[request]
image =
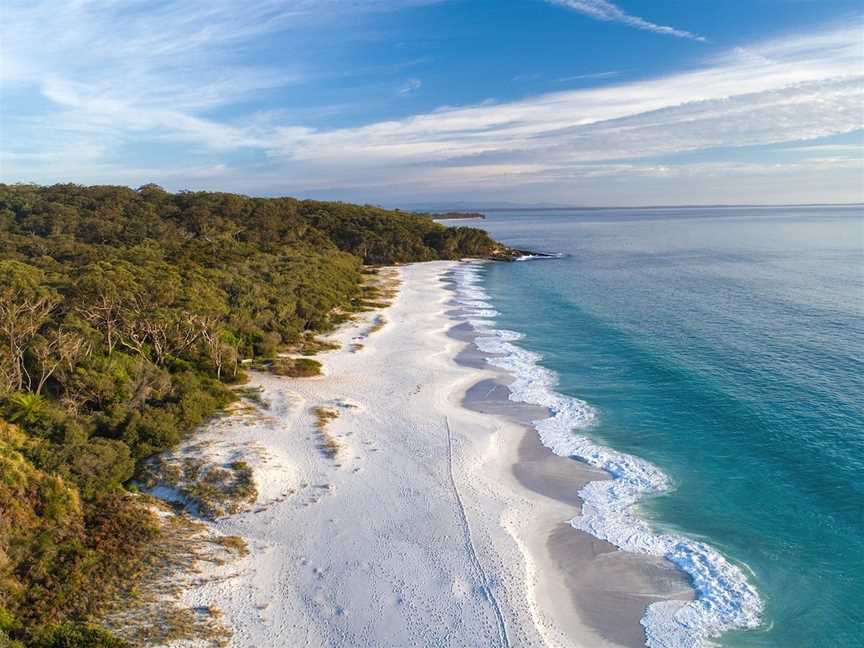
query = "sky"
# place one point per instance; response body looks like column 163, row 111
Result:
column 412, row 102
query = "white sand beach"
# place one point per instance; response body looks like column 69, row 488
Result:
column 434, row 524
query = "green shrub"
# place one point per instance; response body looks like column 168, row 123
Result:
column 295, row 367
column 97, row 466
column 43, row 418
column 63, row 558
column 76, row 636
column 152, row 431
column 7, row 642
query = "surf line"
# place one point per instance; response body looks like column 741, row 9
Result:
column 469, row 544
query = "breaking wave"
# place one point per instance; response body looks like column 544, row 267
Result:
column 725, row 599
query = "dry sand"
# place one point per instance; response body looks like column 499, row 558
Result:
column 441, row 521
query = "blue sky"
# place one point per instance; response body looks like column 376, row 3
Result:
column 409, row 101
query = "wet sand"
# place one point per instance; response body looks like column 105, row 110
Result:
column 576, row 574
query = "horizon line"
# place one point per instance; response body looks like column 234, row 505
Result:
column 685, row 206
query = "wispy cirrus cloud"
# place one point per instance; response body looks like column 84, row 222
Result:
column 411, row 86
column 608, row 12
column 589, row 77
column 110, row 70
column 855, row 151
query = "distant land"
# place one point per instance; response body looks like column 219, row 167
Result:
column 437, row 209
column 473, row 206
column 451, row 215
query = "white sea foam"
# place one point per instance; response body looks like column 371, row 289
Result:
column 539, row 257
column 474, row 303
column 725, row 599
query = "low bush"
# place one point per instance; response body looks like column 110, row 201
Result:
column 295, row 367
column 76, row 636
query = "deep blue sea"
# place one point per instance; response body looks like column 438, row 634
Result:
column 725, row 346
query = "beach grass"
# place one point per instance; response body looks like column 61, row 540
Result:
column 330, row 445
column 311, row 345
column 150, row 614
column 211, row 490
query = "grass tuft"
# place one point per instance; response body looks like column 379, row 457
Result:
column 330, row 445
column 211, row 490
column 234, row 543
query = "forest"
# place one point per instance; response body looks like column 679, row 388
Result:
column 124, row 319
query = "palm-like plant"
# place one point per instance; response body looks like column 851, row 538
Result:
column 26, row 408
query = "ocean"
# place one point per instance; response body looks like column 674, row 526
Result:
column 713, row 361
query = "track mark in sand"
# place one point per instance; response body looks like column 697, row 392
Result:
column 469, row 543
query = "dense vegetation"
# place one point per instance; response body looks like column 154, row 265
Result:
column 123, row 319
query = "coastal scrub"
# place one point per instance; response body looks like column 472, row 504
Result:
column 126, row 319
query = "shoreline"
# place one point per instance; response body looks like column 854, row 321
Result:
column 719, row 597
column 442, row 519
column 594, row 576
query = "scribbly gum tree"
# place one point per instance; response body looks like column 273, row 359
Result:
column 58, row 347
column 26, row 303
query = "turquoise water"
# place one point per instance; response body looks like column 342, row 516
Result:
column 726, row 347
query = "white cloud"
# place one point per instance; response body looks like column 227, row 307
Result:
column 411, row 86
column 851, row 150
column 608, row 12
column 594, row 75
